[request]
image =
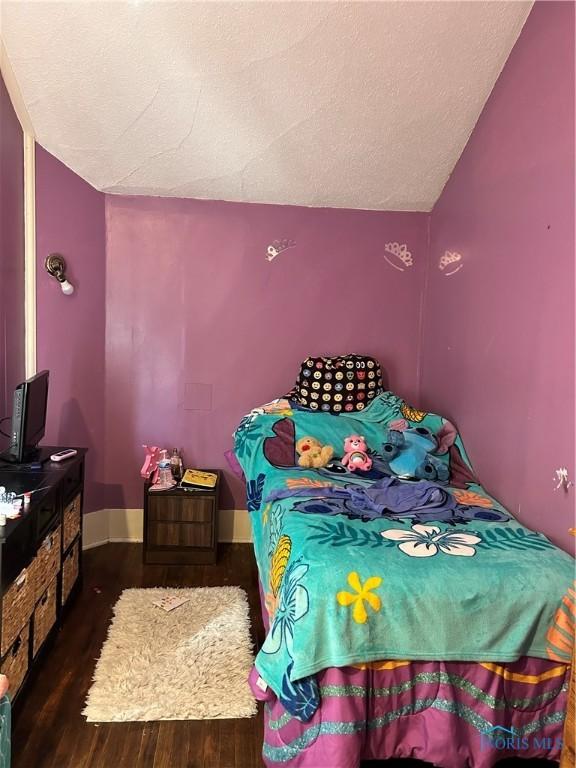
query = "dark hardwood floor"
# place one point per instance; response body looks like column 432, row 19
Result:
column 49, row 730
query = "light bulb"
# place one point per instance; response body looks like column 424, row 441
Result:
column 67, row 287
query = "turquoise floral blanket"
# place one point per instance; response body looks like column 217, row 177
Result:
column 393, row 550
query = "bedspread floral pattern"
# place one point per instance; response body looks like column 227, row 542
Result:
column 361, row 593
column 278, row 565
column 428, row 540
column 340, row 534
column 292, row 606
column 342, row 590
column 300, row 697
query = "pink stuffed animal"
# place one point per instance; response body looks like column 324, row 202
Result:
column 355, row 456
column 150, row 467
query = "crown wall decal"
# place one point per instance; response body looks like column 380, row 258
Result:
column 277, row 247
column 451, row 261
column 401, row 253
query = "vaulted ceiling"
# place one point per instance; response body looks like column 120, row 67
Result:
column 344, row 104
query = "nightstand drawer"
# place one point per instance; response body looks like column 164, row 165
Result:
column 198, row 509
column 161, row 534
column 181, row 526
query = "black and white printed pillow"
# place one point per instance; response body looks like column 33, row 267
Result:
column 337, row 384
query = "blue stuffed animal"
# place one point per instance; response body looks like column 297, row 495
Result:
column 409, row 455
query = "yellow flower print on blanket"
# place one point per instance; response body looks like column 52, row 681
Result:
column 361, row 593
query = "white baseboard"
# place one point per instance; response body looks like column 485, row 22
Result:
column 126, row 525
column 95, row 529
column 93, row 544
column 234, row 526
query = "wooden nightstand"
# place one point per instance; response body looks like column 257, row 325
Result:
column 181, row 526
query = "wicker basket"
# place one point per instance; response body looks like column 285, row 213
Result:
column 15, row 665
column 46, row 564
column 44, row 617
column 17, row 607
column 70, row 568
column 72, row 521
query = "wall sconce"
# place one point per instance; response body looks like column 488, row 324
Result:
column 56, row 266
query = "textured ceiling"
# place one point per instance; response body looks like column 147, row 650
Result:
column 358, row 105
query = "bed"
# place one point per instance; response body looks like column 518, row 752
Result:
column 407, row 613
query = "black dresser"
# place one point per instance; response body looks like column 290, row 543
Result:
column 40, row 561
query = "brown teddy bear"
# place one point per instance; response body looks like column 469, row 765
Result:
column 311, row 452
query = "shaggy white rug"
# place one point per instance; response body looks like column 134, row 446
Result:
column 191, row 663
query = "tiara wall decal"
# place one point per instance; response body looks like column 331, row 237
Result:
column 277, row 247
column 451, row 262
column 402, row 257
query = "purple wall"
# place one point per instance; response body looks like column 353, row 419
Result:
column 180, row 324
column 498, row 345
column 71, row 329
column 191, row 299
column 11, row 255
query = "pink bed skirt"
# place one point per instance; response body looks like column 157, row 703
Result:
column 452, row 714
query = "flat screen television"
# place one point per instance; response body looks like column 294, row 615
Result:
column 28, row 419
